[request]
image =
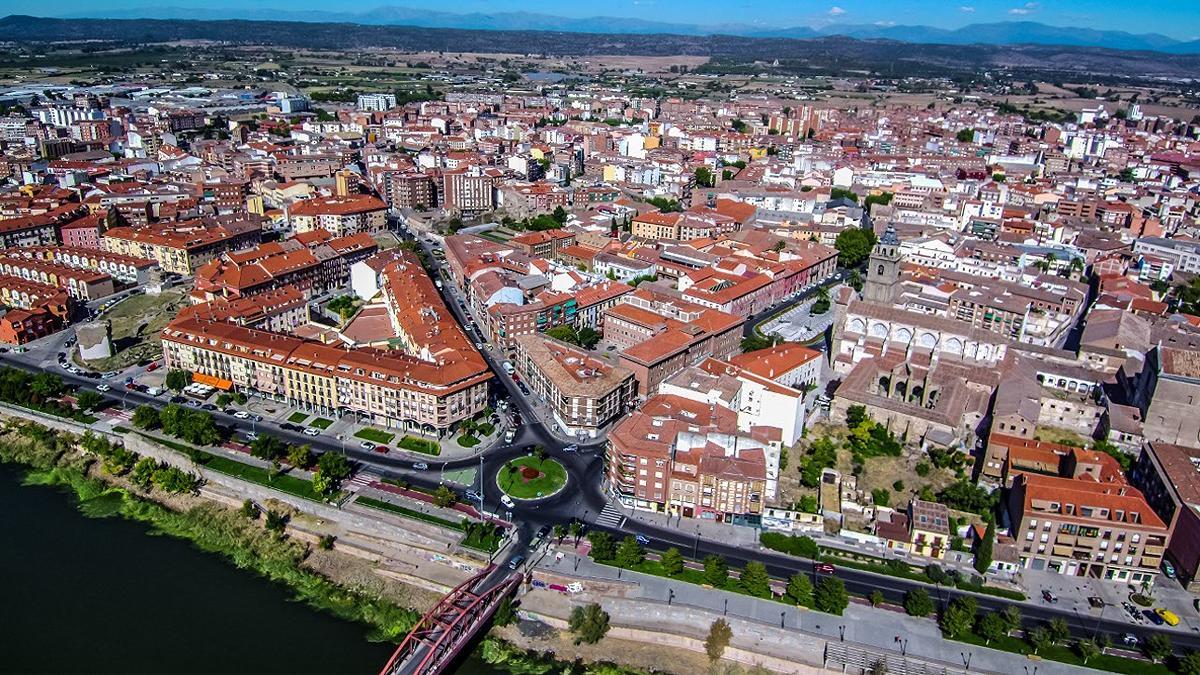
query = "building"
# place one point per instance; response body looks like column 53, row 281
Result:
column 543, row 244
column 122, row 268
column 470, row 189
column 95, row 340
column 340, row 216
column 584, row 392
column 1169, row 477
column 80, row 284
column 1086, row 522
column 928, row 528
column 182, row 247
column 376, row 102
column 883, row 270
column 312, row 263
column 1170, row 391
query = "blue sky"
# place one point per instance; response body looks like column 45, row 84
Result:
column 1176, row 18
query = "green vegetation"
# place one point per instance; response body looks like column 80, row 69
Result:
column 374, row 435
column 584, row 337
column 842, row 193
column 321, row 423
column 136, row 323
column 39, row 392
column 665, row 204
column 589, row 623
column 406, row 512
column 531, row 477
column 854, row 245
column 468, row 441
column 297, row 417
column 343, row 305
column 719, row 636
column 421, row 445
column 293, row 485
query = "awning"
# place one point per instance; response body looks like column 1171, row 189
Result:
column 211, row 381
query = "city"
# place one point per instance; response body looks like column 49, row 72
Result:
column 789, row 356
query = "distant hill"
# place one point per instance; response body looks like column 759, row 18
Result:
column 1000, row 33
column 818, row 55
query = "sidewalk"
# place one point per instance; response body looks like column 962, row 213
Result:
column 863, row 626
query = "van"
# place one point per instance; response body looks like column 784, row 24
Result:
column 154, row 391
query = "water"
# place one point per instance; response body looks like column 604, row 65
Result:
column 98, row 595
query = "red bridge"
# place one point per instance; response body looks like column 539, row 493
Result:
column 447, row 629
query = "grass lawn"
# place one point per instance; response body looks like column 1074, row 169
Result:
column 488, row 543
column 421, row 445
column 694, row 576
column 1062, row 654
column 468, row 441
column 532, row 478
column 374, row 435
column 284, row 483
column 297, row 417
column 321, row 423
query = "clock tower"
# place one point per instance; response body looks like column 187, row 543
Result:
column 883, row 270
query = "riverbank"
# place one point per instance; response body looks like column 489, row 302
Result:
column 346, row 586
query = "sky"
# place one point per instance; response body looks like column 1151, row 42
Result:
column 1176, row 18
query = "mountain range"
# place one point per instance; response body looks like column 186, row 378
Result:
column 1001, row 33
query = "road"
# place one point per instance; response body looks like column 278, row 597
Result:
column 585, row 497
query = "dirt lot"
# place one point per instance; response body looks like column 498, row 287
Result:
column 136, row 323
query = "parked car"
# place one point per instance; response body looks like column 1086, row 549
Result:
column 1168, row 569
column 1049, row 597
column 251, row 436
column 1169, row 617
column 1096, row 601
column 367, row 445
column 208, row 406
column 311, row 431
column 421, row 466
column 102, row 387
column 241, row 414
column 543, row 531
column 471, row 496
column 1154, row 617
column 571, row 449
column 643, row 540
column 152, row 367
column 288, row 426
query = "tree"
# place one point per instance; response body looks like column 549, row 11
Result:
column 249, row 510
column 325, row 543
column 560, row 532
column 881, row 496
column 983, row 552
column 276, row 521
column 442, row 496
column 506, row 612
column 800, row 589
column 45, row 386
column 88, row 400
column 300, row 456
column 576, row 529
column 719, row 636
column 145, row 417
column 589, row 623
column 992, row 627
column 716, row 571
column 876, row 599
column 755, row 579
column 705, row 177
column 1158, row 647
column 959, row 616
column 1087, row 649
column 965, row 135
column 630, row 552
column 854, row 245
column 559, row 215
column 1060, row 632
column 1012, row 617
column 143, row 472
column 178, row 379
column 1190, row 664
column 268, row 448
column 603, row 547
column 831, row 596
column 672, row 561
column 1039, row 638
column 918, row 603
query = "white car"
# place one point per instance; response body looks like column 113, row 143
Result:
column 102, row 387
column 242, row 415
column 367, row 445
column 507, row 501
column 312, row 432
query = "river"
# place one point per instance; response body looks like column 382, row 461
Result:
column 98, row 595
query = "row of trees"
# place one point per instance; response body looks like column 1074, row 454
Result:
column 43, row 391
column 194, row 426
column 144, row 472
column 331, row 468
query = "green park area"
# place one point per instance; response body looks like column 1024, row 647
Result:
column 531, row 477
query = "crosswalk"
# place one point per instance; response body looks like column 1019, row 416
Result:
column 361, row 480
column 610, row 516
column 119, row 414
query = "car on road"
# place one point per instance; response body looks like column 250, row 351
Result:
column 1168, row 617
column 420, row 466
column 507, row 501
column 571, row 449
column 242, row 415
column 1129, row 640
column 381, row 449
column 312, row 431
column 516, row 562
column 643, row 540
column 102, row 387
column 367, row 445
column 193, row 402
column 1168, row 569
column 509, row 436
column 471, row 496
column 542, row 532
column 152, row 367
column 177, row 399
column 823, row 568
column 1049, row 597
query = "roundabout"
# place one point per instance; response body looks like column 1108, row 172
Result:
column 531, row 477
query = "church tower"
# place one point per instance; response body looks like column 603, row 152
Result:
column 883, row 270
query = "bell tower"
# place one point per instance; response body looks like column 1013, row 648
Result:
column 883, row 270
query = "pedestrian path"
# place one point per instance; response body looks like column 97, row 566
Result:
column 610, row 516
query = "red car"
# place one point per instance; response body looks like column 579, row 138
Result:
column 823, row 568
column 152, row 367
column 382, row 449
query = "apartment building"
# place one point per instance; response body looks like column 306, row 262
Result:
column 1086, row 522
column 341, row 216
column 80, row 284
column 311, row 262
column 584, row 392
column 470, row 189
column 1169, row 476
column 182, row 247
column 544, row 244
column 123, row 268
column 1169, row 391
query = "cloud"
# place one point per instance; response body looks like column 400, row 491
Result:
column 885, row 24
column 966, row 9
column 836, row 11
column 1027, row 8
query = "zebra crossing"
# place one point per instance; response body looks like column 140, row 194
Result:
column 610, row 516
column 361, row 480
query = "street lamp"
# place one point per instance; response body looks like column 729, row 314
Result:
column 725, row 612
column 903, row 646
column 781, row 617
column 842, row 633
column 966, row 658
